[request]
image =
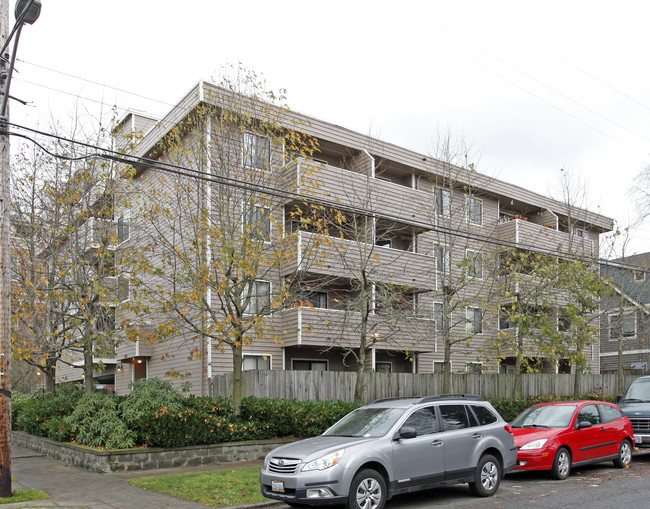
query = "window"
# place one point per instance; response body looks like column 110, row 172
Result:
column 474, row 262
column 579, row 232
column 505, row 321
column 123, row 288
column 563, row 320
column 260, row 298
column 257, row 152
column 256, row 362
column 423, row 421
column 443, row 258
column 258, row 219
column 474, row 320
column 639, row 275
column 443, row 201
column 474, row 368
column 439, row 366
column 384, row 367
column 123, row 227
column 442, row 321
column 610, row 413
column 624, row 327
column 590, row 414
column 307, row 365
column 454, row 417
column 316, row 299
column 474, row 210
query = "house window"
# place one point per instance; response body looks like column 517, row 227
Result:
column 443, row 202
column 316, row 299
column 260, row 298
column 474, row 210
column 251, row 362
column 257, row 151
column 639, row 275
column 563, row 320
column 505, row 321
column 473, row 320
column 257, row 222
column 622, row 326
column 474, row 368
column 123, row 288
column 123, row 227
column 383, row 367
column 441, row 321
column 443, row 258
column 474, row 261
column 439, row 366
column 307, row 365
column 579, row 232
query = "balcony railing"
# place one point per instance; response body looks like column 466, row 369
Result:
column 528, row 235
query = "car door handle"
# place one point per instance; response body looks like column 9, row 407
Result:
column 436, row 443
column 476, row 436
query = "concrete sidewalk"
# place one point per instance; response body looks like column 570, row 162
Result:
column 76, row 488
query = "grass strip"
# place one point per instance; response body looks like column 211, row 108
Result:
column 24, row 496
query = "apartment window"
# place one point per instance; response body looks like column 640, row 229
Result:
column 439, row 366
column 622, row 326
column 317, row 299
column 474, row 368
column 563, row 320
column 251, row 362
column 383, row 367
column 257, row 151
column 260, row 298
column 124, row 227
column 639, row 275
column 442, row 321
column 123, row 288
column 474, row 262
column 443, row 258
column 473, row 320
column 474, row 210
column 443, row 202
column 258, row 219
column 308, row 365
column 579, row 232
column 505, row 321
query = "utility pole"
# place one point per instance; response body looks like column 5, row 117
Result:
column 5, row 276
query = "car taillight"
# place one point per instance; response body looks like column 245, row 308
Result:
column 508, row 428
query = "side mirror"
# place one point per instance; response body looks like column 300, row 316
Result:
column 407, row 432
column 619, row 397
column 584, row 424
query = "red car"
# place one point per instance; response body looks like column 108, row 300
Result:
column 557, row 436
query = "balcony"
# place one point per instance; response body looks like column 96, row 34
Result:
column 528, row 235
column 333, row 327
column 335, row 257
column 349, row 189
column 95, row 233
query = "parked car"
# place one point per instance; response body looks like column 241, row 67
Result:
column 394, row 446
column 559, row 436
column 635, row 403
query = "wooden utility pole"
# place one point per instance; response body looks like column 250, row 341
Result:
column 5, row 276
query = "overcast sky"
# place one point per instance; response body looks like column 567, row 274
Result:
column 533, row 86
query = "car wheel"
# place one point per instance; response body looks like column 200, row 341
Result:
column 624, row 455
column 488, row 476
column 561, row 464
column 367, row 491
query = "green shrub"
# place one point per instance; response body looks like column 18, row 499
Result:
column 96, row 422
column 32, row 413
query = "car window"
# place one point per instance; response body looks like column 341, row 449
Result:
column 610, row 413
column 366, row 422
column 545, row 416
column 423, row 420
column 484, row 415
column 454, row 417
column 588, row 413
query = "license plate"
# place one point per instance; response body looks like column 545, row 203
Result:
column 638, row 439
column 277, row 486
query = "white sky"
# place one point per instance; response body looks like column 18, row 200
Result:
column 532, row 86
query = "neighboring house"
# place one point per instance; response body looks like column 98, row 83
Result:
column 625, row 320
column 430, row 224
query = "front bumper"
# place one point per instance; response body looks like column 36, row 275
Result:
column 535, row 459
column 321, row 487
column 641, row 438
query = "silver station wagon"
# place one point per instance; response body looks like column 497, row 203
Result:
column 394, row 446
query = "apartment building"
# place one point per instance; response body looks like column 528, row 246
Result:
column 384, row 250
column 625, row 321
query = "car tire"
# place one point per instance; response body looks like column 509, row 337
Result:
column 561, row 464
column 488, row 477
column 624, row 454
column 367, row 491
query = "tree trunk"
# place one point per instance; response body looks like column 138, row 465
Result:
column 50, row 378
column 89, row 382
column 237, row 361
column 446, row 332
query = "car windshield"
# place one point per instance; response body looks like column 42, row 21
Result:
column 638, row 392
column 366, row 422
column 552, row 416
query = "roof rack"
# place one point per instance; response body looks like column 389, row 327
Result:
column 437, row 397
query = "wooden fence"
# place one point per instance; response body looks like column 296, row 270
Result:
column 339, row 385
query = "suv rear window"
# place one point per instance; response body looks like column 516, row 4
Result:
column 484, row 415
column 454, row 417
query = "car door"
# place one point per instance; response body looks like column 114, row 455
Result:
column 420, row 460
column 461, row 437
column 614, row 424
column 592, row 442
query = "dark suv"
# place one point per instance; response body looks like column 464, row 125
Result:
column 636, row 405
column 394, row 446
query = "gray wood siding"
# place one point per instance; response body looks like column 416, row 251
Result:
column 527, row 235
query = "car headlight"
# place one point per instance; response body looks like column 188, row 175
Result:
column 325, row 462
column 535, row 444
